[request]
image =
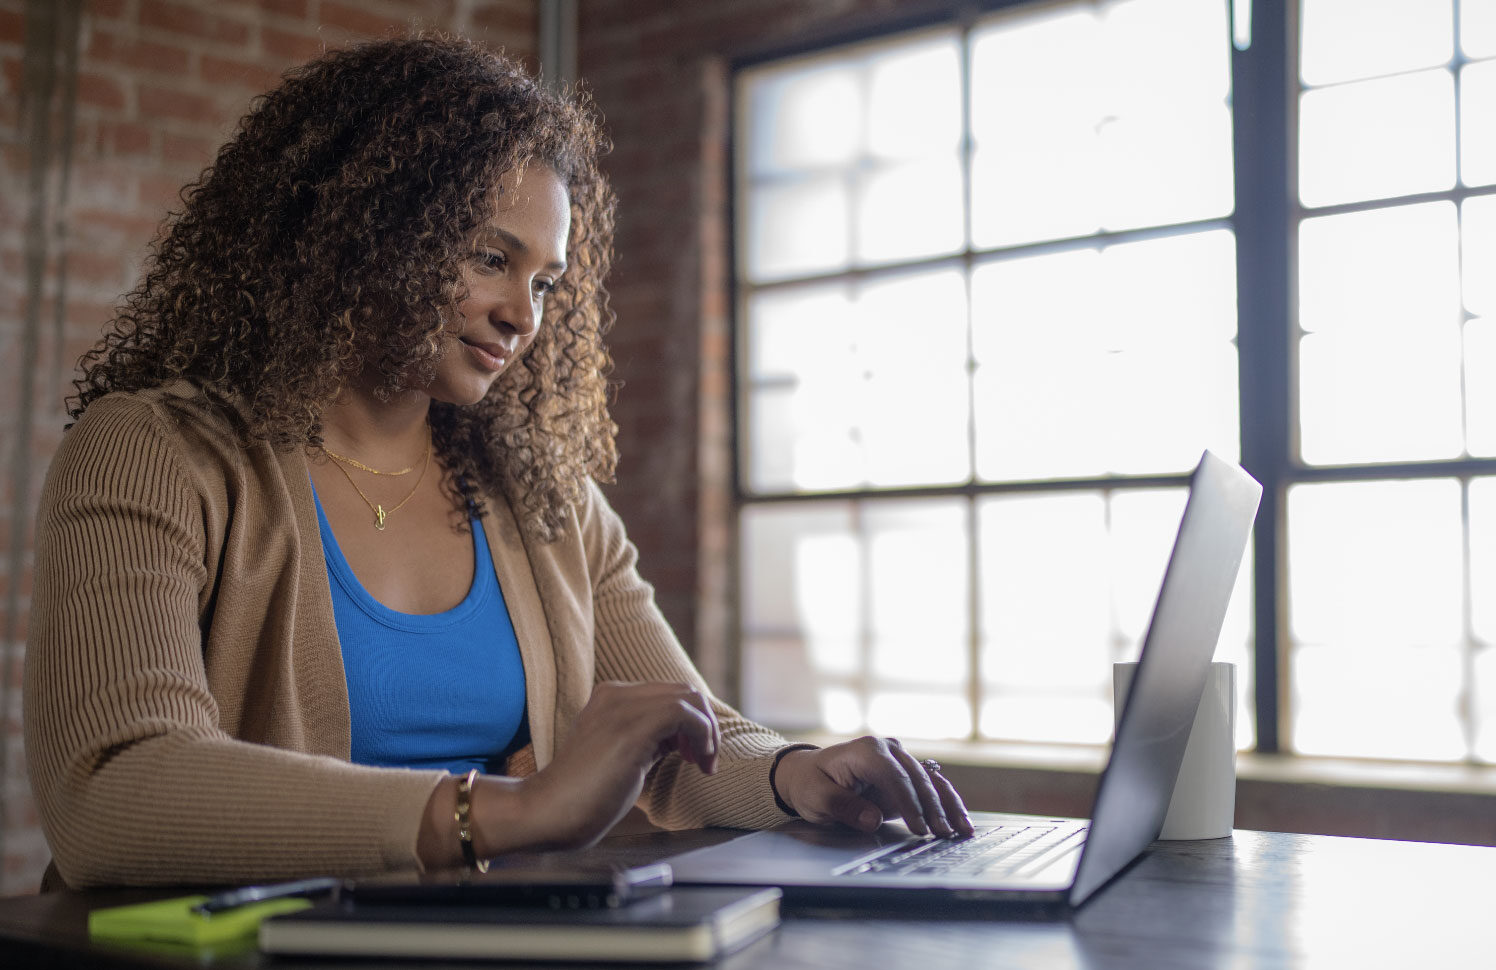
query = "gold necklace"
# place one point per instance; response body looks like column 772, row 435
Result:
column 365, row 468
column 380, row 514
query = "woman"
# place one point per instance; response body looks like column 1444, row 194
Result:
column 324, row 583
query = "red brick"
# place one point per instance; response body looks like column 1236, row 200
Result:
column 79, row 309
column 187, row 149
column 518, row 23
column 290, row 47
column 285, row 8
column 242, row 73
column 124, row 138
column 100, row 91
column 162, row 102
column 11, row 26
column 88, row 264
column 357, row 20
column 11, row 68
column 125, row 225
column 181, row 19
column 161, row 193
column 109, row 48
column 107, row 9
column 99, row 183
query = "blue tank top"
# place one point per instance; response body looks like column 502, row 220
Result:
column 440, row 690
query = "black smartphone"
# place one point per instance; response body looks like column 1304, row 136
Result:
column 529, row 880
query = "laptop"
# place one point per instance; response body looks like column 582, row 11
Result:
column 1026, row 859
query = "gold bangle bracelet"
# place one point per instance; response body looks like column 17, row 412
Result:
column 464, row 817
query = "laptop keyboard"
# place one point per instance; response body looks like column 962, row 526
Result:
column 993, row 850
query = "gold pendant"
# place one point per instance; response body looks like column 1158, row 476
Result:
column 379, row 517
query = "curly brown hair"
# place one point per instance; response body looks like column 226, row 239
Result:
column 328, row 236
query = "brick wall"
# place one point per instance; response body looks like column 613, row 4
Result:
column 106, row 109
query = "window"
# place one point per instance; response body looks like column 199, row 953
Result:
column 1001, row 282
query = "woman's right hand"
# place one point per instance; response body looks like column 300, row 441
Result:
column 592, row 781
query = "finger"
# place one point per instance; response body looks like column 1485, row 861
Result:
column 929, row 807
column 689, row 728
column 714, row 731
column 705, row 743
column 950, row 799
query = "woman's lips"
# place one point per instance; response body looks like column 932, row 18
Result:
column 492, row 357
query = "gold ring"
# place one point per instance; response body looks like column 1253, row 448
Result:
column 931, row 765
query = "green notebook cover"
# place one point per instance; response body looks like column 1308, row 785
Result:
column 174, row 921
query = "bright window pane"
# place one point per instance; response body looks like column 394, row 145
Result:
column 906, row 714
column 1480, row 388
column 1383, row 269
column 912, row 405
column 798, row 228
column 1377, row 139
column 1035, row 167
column 1172, row 166
column 835, row 378
column 1485, row 704
column 1478, row 28
column 1131, row 130
column 1034, row 187
column 1375, row 564
column 914, row 100
column 802, row 118
column 1144, row 524
column 769, row 454
column 1379, row 372
column 1153, row 46
column 801, row 599
column 1380, row 397
column 1375, row 584
column 799, row 330
column 1377, row 702
column 1045, row 592
column 910, row 211
column 1478, row 253
column 1344, row 40
column 1483, row 559
column 917, row 591
column 1477, row 134
column 1083, row 359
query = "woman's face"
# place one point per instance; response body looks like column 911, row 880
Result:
column 517, row 257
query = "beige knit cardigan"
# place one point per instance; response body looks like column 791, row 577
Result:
column 186, row 713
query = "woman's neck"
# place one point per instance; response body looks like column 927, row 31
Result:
column 378, row 433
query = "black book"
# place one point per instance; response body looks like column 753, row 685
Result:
column 682, row 924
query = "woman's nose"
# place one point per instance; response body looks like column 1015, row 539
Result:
column 519, row 312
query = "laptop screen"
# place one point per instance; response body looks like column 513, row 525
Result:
column 1133, row 795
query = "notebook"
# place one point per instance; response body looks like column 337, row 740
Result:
column 1021, row 859
column 675, row 925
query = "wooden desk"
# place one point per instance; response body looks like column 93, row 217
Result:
column 1259, row 899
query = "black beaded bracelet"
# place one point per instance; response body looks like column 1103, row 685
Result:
column 779, row 756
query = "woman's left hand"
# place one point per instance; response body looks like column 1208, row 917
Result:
column 860, row 783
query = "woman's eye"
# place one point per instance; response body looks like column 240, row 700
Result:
column 491, row 260
column 544, row 287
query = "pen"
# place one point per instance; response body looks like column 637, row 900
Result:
column 253, row 894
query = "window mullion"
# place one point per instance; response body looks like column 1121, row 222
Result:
column 1262, row 112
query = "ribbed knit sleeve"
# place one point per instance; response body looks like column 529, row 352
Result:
column 136, row 779
column 633, row 643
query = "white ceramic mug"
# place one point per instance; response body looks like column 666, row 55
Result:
column 1204, row 801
